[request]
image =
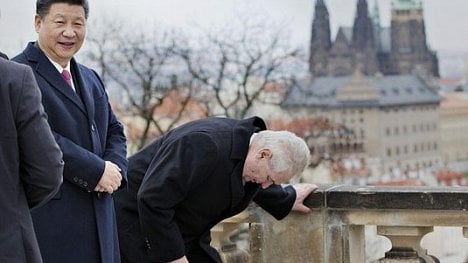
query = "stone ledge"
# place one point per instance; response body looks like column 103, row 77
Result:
column 384, row 197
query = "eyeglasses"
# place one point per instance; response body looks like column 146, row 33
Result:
column 269, row 179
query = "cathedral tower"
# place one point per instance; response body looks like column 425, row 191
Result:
column 320, row 40
column 398, row 49
column 408, row 38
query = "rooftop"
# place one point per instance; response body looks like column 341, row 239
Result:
column 392, row 90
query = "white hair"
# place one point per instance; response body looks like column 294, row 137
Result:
column 290, row 153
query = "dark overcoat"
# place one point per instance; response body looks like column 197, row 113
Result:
column 183, row 184
column 78, row 224
column 30, row 162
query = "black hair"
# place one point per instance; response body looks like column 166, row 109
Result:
column 43, row 6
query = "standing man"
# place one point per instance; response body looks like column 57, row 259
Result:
column 78, row 224
column 30, row 162
column 198, row 174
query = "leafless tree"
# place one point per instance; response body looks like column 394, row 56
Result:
column 234, row 67
column 143, row 68
column 218, row 74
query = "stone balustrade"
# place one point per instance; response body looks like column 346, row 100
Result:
column 335, row 229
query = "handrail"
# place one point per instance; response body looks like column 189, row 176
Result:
column 335, row 229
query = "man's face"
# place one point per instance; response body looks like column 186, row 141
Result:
column 257, row 169
column 61, row 31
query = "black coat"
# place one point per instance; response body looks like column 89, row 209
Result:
column 187, row 182
column 30, row 162
column 78, row 225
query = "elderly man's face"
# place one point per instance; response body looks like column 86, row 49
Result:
column 257, row 169
column 61, row 31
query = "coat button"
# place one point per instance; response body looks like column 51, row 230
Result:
column 92, row 127
column 148, row 246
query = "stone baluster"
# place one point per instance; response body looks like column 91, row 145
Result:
column 220, row 238
column 406, row 244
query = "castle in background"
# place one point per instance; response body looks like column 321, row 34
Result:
column 379, row 84
column 399, row 49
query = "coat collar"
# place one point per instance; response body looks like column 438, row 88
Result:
column 242, row 192
column 41, row 64
column 241, row 134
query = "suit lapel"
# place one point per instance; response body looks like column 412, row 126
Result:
column 84, row 82
column 44, row 68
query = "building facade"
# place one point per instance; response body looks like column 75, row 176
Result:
column 395, row 118
column 454, row 127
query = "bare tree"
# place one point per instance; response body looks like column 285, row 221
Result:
column 144, row 69
column 163, row 78
column 235, row 67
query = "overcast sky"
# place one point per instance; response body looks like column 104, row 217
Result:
column 446, row 21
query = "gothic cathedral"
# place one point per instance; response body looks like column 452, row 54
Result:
column 400, row 49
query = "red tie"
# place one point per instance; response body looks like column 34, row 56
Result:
column 67, row 77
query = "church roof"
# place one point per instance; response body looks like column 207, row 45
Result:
column 380, row 91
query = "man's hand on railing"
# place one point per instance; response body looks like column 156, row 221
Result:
column 303, row 190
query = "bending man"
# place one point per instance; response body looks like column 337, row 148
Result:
column 198, row 174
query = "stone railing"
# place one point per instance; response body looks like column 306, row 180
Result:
column 335, row 229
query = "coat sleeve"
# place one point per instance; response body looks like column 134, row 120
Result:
column 40, row 156
column 116, row 142
column 176, row 169
column 113, row 148
column 78, row 158
column 276, row 200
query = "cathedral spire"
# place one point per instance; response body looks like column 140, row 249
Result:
column 363, row 32
column 320, row 42
column 321, row 26
column 363, row 42
column 376, row 25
